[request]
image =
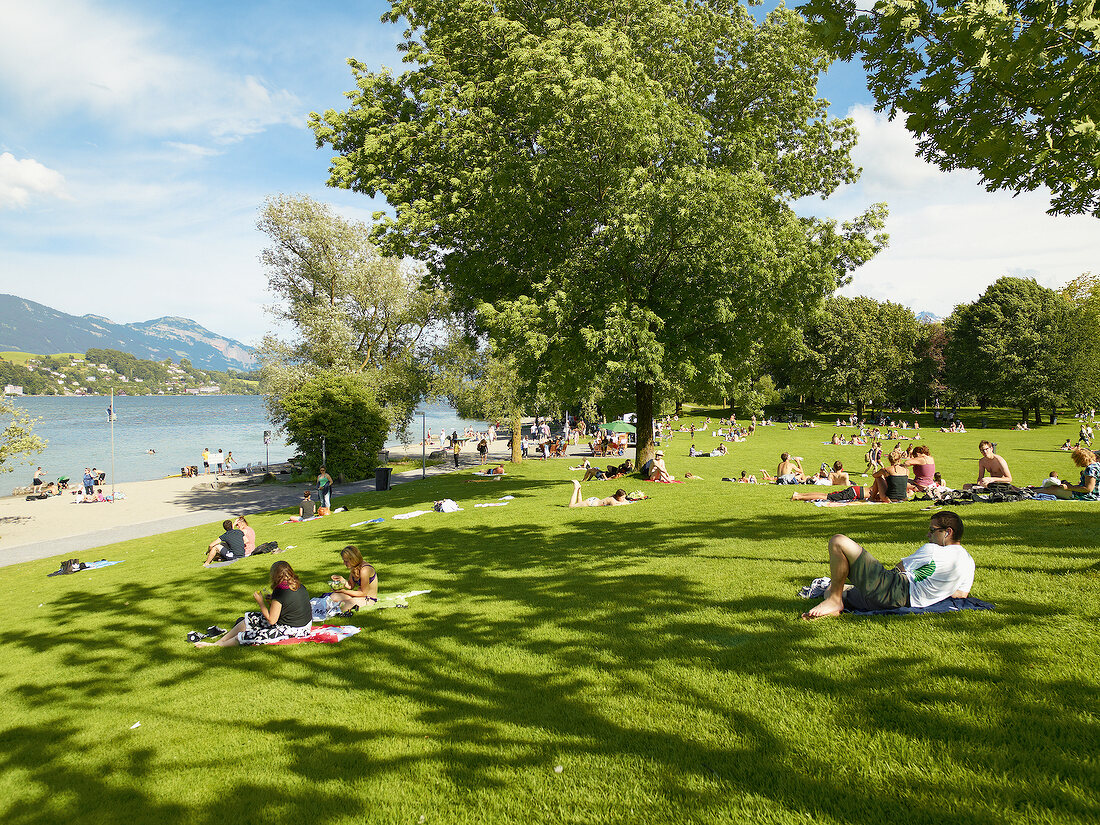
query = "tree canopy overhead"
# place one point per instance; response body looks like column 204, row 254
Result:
column 605, row 187
column 1010, row 88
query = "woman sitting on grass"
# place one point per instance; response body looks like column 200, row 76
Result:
column 924, row 467
column 891, row 484
column 360, row 588
column 288, row 616
column 1087, row 489
column 610, row 501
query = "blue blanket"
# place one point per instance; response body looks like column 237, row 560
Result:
column 948, row 605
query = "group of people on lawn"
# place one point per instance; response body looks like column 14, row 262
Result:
column 940, row 569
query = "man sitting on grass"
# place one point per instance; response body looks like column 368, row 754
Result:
column 229, row 546
column 940, row 569
column 991, row 467
column 789, row 470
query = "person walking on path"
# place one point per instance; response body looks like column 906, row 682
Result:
column 324, row 489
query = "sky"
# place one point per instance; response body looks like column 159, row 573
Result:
column 138, row 141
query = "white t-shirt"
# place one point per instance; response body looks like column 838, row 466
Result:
column 936, row 572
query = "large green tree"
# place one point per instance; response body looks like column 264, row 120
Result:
column 1082, row 345
column 1010, row 346
column 1010, row 88
column 606, row 186
column 862, row 350
column 17, row 437
column 353, row 310
column 335, row 419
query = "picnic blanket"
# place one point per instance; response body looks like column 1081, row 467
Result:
column 95, row 565
column 372, row 521
column 323, row 608
column 325, row 634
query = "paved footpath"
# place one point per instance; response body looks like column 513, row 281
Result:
column 232, row 499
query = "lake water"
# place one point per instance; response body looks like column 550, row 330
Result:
column 177, row 427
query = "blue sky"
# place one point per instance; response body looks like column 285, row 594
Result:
column 138, row 140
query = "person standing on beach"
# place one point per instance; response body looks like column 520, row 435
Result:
column 457, row 445
column 37, row 482
column 205, row 460
column 89, row 482
column 221, row 461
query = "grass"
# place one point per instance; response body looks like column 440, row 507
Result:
column 21, row 358
column 654, row 652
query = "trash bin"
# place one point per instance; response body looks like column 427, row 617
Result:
column 382, row 478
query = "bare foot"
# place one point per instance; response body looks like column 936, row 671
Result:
column 830, row 606
column 576, row 484
column 206, row 644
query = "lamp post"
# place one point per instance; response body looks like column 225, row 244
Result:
column 423, row 443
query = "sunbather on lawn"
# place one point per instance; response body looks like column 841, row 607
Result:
column 610, row 501
column 891, row 484
column 942, row 568
column 1087, row 489
column 288, row 616
column 360, row 588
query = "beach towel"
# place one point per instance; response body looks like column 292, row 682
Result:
column 80, row 567
column 413, row 514
column 948, row 605
column 658, row 481
column 296, row 520
column 372, row 521
column 324, row 608
column 824, row 503
column 492, row 504
column 324, row 634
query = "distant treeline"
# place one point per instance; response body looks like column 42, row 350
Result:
column 61, row 374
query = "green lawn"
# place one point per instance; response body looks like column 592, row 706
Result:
column 654, row 652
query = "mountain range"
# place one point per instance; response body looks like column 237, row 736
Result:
column 26, row 326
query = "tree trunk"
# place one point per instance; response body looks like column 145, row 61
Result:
column 1038, row 415
column 1023, row 414
column 643, row 395
column 859, row 408
column 517, row 434
column 679, row 404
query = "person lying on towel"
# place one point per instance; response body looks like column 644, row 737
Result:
column 940, row 569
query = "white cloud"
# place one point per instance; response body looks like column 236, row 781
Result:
column 950, row 238
column 20, row 179
column 192, row 150
column 62, row 56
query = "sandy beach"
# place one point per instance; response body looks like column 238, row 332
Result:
column 39, row 529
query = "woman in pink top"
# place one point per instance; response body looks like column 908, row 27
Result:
column 924, row 468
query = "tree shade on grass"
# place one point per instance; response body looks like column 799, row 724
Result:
column 652, row 651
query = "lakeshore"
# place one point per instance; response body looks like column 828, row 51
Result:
column 31, row 530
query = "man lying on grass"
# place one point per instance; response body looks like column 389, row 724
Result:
column 940, row 569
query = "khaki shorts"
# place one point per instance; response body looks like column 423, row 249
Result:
column 875, row 587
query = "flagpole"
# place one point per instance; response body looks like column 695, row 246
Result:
column 112, row 445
